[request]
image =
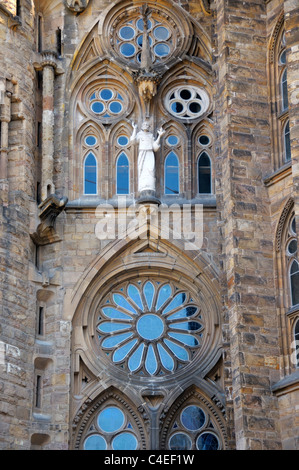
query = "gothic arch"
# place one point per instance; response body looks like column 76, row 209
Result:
column 85, row 415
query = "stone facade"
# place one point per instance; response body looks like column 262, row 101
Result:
column 57, row 266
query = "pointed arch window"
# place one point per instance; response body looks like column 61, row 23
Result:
column 204, row 174
column 294, row 282
column 90, row 174
column 284, row 90
column 287, row 141
column 172, row 174
column 296, row 338
column 122, row 174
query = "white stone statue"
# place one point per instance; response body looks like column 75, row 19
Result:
column 146, row 158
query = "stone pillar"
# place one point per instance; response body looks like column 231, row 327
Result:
column 49, row 66
column 242, row 160
column 291, row 9
column 5, row 118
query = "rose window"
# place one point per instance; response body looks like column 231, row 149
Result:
column 150, row 327
column 128, row 39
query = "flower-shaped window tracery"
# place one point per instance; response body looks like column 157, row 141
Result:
column 149, row 326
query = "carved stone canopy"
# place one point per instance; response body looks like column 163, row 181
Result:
column 77, row 6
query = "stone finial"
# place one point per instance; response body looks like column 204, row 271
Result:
column 49, row 210
column 77, row 6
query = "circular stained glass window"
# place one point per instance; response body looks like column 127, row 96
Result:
column 180, row 441
column 187, row 102
column 107, row 103
column 172, row 140
column 91, row 140
column 207, row 441
column 151, row 327
column 122, row 140
column 204, row 140
column 128, row 39
column 112, row 428
column 193, row 418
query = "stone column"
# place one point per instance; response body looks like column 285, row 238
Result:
column 5, row 118
column 242, row 160
column 291, row 9
column 49, row 66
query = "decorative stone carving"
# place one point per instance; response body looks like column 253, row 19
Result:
column 50, row 209
column 77, row 6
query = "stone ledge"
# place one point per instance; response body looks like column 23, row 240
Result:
column 279, row 174
column 287, row 384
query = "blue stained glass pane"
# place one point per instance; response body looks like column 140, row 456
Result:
column 161, row 33
column 136, row 358
column 173, row 140
column 90, row 140
column 177, row 350
column 119, row 97
column 184, row 313
column 189, row 340
column 193, row 418
column 127, row 32
column 166, row 359
column 125, row 441
column 123, row 351
column 95, row 442
column 164, row 294
column 93, row 97
column 149, row 291
column 115, row 340
column 172, row 183
column 207, row 441
column 110, row 327
column 122, row 177
column 121, row 301
column 111, row 419
column 162, row 50
column 97, row 107
column 187, row 326
column 135, row 296
column 127, row 49
column 150, row 327
column 90, row 174
column 151, row 361
column 115, row 314
column 123, row 140
column 115, row 107
column 180, row 441
column 178, row 300
column 106, row 94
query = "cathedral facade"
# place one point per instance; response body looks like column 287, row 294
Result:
column 149, row 269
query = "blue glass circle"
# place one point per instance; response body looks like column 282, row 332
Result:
column 177, row 107
column 204, row 140
column 127, row 33
column 125, row 441
column 150, row 327
column 172, row 140
column 140, row 24
column 111, row 419
column 180, row 441
column 106, row 94
column 123, row 140
column 90, row 140
column 162, row 50
column 193, row 418
column 95, row 442
column 127, row 49
column 97, row 107
column 207, row 441
column 115, row 107
column 161, row 33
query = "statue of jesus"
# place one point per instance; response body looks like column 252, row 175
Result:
column 146, row 158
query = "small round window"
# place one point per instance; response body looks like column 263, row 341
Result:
column 187, row 102
column 107, row 103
